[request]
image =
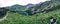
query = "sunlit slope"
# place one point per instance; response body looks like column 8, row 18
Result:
column 40, row 18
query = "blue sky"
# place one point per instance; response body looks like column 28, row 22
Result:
column 4, row 3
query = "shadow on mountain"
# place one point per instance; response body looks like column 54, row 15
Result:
column 3, row 12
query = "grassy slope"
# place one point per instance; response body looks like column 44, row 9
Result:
column 40, row 18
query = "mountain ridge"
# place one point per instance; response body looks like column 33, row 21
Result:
column 34, row 8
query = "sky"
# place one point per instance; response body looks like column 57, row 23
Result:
column 4, row 3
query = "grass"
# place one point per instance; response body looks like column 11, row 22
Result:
column 39, row 18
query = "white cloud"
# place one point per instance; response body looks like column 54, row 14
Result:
column 4, row 3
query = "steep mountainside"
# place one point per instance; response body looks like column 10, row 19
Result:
column 37, row 14
column 32, row 9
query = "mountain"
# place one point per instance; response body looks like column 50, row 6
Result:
column 38, row 14
column 29, row 5
column 16, row 7
column 43, row 7
column 31, row 9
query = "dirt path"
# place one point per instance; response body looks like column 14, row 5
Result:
column 4, row 17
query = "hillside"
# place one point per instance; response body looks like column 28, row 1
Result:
column 37, row 14
column 40, row 18
column 31, row 9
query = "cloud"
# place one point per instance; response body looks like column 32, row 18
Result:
column 4, row 3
